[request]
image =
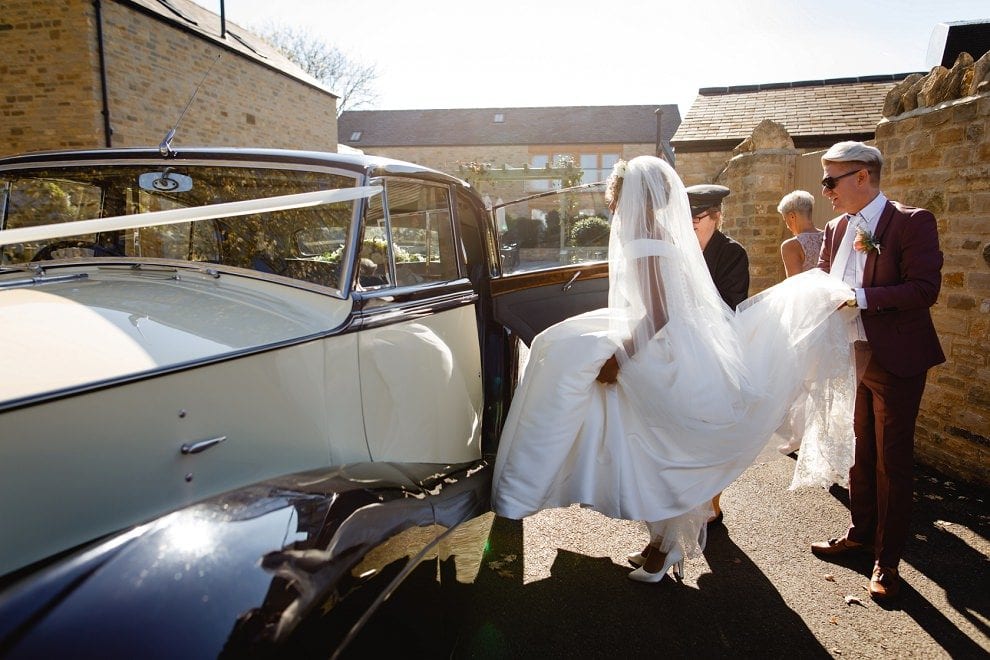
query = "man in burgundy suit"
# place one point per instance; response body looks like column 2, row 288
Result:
column 889, row 255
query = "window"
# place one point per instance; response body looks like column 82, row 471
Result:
column 555, row 230
column 356, row 136
column 499, row 118
column 422, row 235
column 304, row 243
column 538, row 162
column 414, row 243
column 595, row 166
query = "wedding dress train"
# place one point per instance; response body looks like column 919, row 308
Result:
column 696, row 399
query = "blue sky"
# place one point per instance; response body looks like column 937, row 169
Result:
column 463, row 54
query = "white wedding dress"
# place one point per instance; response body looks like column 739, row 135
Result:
column 700, row 391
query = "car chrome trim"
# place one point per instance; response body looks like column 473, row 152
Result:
column 407, row 303
column 571, row 281
column 200, row 445
column 42, row 279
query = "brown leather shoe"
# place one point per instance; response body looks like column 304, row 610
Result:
column 833, row 547
column 885, row 584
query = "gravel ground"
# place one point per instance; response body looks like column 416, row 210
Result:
column 554, row 584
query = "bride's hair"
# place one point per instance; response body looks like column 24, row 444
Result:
column 613, row 185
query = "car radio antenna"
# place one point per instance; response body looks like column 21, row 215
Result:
column 165, row 148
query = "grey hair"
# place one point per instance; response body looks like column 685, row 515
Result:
column 799, row 201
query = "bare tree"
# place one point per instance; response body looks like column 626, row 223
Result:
column 351, row 80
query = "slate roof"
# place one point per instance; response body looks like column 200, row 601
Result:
column 815, row 112
column 565, row 125
column 191, row 17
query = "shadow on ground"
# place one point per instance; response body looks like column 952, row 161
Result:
column 949, row 522
column 588, row 608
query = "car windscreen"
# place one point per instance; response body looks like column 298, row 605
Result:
column 302, row 243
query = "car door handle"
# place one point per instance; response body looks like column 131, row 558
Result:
column 571, row 281
column 201, row 445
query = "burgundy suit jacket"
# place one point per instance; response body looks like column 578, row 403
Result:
column 901, row 283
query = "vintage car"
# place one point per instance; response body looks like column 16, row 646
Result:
column 247, row 395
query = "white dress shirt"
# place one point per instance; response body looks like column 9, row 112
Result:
column 854, row 264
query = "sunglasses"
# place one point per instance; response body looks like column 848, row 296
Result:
column 700, row 216
column 831, row 182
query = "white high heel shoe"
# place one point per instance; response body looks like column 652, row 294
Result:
column 675, row 559
column 636, row 558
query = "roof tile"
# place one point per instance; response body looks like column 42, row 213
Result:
column 805, row 109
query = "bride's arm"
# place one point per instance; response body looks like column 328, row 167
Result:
column 654, row 304
column 653, row 319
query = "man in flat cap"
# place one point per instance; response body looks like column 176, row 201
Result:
column 726, row 259
column 889, row 255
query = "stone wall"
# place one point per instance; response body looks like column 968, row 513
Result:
column 51, row 82
column 153, row 71
column 939, row 158
column 49, row 64
column 696, row 167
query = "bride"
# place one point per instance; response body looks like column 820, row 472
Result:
column 648, row 408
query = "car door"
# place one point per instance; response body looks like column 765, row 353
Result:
column 553, row 251
column 420, row 360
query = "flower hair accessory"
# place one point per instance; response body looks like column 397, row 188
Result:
column 865, row 241
column 619, row 169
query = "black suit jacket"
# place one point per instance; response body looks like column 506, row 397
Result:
column 728, row 264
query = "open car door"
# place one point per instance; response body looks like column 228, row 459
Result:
column 554, row 258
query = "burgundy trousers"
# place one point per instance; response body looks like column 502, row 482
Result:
column 881, row 480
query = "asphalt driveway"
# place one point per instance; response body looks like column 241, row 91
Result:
column 554, row 585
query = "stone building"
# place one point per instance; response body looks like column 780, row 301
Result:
column 98, row 73
column 533, row 139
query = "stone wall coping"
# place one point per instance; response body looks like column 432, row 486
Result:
column 917, row 112
column 780, row 151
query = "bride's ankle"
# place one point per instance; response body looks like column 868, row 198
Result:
column 655, row 559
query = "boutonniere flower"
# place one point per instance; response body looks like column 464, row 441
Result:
column 865, row 242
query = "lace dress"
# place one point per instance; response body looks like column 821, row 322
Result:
column 811, row 243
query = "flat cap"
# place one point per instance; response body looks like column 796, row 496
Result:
column 843, row 152
column 704, row 196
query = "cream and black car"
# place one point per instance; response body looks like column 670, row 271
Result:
column 247, row 395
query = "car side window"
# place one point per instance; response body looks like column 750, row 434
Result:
column 423, row 245
column 568, row 227
column 374, row 260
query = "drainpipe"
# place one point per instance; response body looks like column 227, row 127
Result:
column 107, row 130
column 223, row 21
column 659, row 149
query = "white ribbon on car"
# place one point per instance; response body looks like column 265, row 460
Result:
column 190, row 214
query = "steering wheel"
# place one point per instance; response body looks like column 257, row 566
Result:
column 97, row 249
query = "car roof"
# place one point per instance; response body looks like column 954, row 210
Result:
column 370, row 165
